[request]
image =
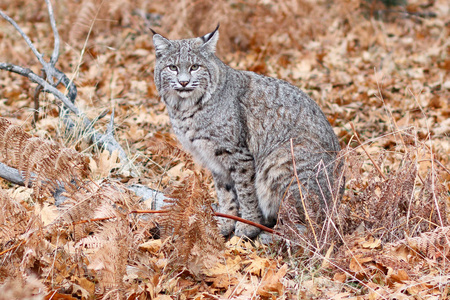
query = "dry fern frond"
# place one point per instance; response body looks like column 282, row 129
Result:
column 12, row 142
column 13, row 218
column 425, row 208
column 434, row 245
column 190, row 221
column 4, row 125
column 46, row 164
column 111, row 240
column 390, row 207
column 92, row 201
column 83, row 22
column 111, row 258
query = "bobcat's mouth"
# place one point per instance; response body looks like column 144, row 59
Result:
column 184, row 89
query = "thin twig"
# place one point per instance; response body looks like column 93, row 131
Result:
column 217, row 214
column 12, row 248
column 301, row 195
column 37, row 92
column 367, row 153
column 148, row 211
column 432, row 159
column 262, row 227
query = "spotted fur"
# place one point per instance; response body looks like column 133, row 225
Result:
column 239, row 124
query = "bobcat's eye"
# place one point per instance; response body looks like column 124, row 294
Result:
column 194, row 67
column 173, row 67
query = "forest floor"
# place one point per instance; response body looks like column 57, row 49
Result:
column 381, row 76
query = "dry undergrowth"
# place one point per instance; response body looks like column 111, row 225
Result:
column 387, row 239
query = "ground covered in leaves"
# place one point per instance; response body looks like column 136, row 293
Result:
column 379, row 72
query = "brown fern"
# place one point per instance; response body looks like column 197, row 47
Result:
column 13, row 217
column 110, row 240
column 166, row 151
column 82, row 23
column 434, row 245
column 96, row 201
column 110, row 259
column 190, row 222
column 45, row 164
column 12, row 143
column 391, row 207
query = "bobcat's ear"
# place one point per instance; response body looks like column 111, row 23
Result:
column 210, row 40
column 161, row 44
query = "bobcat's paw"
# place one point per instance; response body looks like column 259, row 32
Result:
column 249, row 231
column 226, row 226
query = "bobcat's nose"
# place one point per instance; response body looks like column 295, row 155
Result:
column 183, row 83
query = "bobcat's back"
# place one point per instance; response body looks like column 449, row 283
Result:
column 240, row 126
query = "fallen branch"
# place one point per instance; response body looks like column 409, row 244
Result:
column 12, row 248
column 53, row 77
column 15, row 176
column 12, row 175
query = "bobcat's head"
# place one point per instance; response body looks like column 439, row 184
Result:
column 185, row 70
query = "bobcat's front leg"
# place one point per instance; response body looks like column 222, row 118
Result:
column 243, row 175
column 227, row 203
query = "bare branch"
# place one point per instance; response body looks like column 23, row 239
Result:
column 49, row 68
column 236, row 218
column 55, row 54
column 39, row 80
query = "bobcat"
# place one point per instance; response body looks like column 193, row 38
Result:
column 239, row 125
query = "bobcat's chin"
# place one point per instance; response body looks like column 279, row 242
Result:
column 185, row 93
column 190, row 95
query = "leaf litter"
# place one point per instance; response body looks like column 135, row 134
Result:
column 385, row 69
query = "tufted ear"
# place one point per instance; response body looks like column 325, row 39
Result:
column 161, row 43
column 210, row 40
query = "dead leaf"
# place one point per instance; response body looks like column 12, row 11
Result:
column 233, row 264
column 257, row 265
column 357, row 263
column 340, row 277
column 152, row 246
column 104, row 164
column 372, row 243
column 270, row 284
